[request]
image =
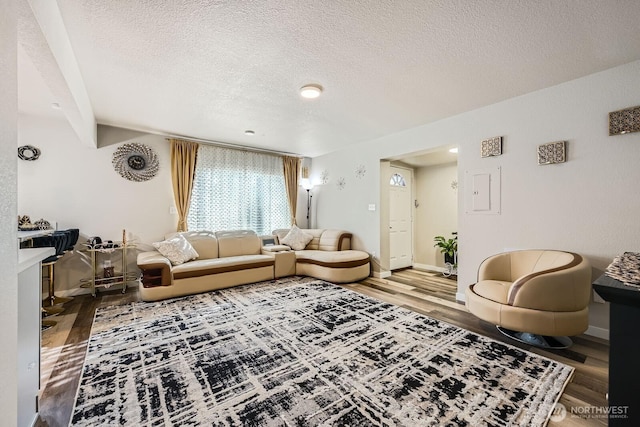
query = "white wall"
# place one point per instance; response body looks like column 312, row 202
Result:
column 587, row 205
column 437, row 213
column 347, row 207
column 8, row 222
column 77, row 186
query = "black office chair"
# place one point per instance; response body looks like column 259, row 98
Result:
column 58, row 241
column 61, row 241
column 74, row 234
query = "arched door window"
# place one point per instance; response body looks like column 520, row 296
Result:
column 397, row 180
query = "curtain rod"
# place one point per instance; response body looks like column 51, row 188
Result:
column 234, row 146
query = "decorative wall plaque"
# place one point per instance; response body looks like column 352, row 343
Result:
column 624, row 121
column 552, row 152
column 491, row 147
column 28, row 152
column 341, row 183
column 324, row 176
column 135, row 162
column 361, row 170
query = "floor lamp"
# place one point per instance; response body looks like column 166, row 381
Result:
column 307, row 185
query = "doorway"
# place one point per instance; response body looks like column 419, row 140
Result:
column 430, row 197
column 400, row 218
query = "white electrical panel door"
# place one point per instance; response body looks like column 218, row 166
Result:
column 482, row 191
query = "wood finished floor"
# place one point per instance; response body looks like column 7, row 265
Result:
column 424, row 292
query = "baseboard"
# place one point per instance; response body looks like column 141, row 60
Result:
column 427, row 267
column 460, row 296
column 381, row 274
column 597, row 332
column 79, row 291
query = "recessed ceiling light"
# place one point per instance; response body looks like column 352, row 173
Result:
column 310, row 91
column 249, row 132
column 55, row 105
column 453, row 150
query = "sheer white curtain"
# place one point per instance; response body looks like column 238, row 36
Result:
column 236, row 189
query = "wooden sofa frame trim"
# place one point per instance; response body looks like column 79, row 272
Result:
column 343, row 237
column 344, row 264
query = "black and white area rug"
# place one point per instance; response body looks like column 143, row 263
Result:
column 303, row 352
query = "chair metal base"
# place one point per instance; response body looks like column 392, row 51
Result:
column 47, row 324
column 540, row 341
column 51, row 311
column 47, row 302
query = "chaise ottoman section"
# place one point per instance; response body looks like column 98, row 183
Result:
column 333, row 266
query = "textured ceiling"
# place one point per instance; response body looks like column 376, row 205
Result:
column 212, row 69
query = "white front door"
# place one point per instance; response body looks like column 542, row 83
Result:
column 400, row 228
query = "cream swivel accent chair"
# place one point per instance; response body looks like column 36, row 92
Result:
column 534, row 296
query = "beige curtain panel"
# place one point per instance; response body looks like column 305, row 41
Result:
column 183, row 166
column 291, row 174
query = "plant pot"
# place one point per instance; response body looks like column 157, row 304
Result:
column 449, row 259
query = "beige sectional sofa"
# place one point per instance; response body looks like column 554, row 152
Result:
column 234, row 258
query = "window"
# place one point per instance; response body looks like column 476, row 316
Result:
column 238, row 190
column 397, row 180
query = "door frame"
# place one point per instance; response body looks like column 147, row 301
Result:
column 385, row 251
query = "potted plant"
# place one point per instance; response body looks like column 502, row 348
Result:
column 449, row 247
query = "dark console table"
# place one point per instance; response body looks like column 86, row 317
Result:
column 624, row 350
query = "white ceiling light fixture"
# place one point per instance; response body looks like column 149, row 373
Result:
column 55, row 106
column 249, row 132
column 310, row 91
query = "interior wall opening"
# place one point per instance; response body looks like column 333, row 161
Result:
column 432, row 179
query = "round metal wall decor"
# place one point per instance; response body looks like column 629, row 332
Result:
column 135, row 162
column 28, row 152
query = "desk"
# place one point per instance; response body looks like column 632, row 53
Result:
column 624, row 349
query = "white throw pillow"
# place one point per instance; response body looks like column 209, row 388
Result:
column 177, row 249
column 296, row 239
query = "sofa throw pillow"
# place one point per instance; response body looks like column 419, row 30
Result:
column 296, row 239
column 177, row 249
